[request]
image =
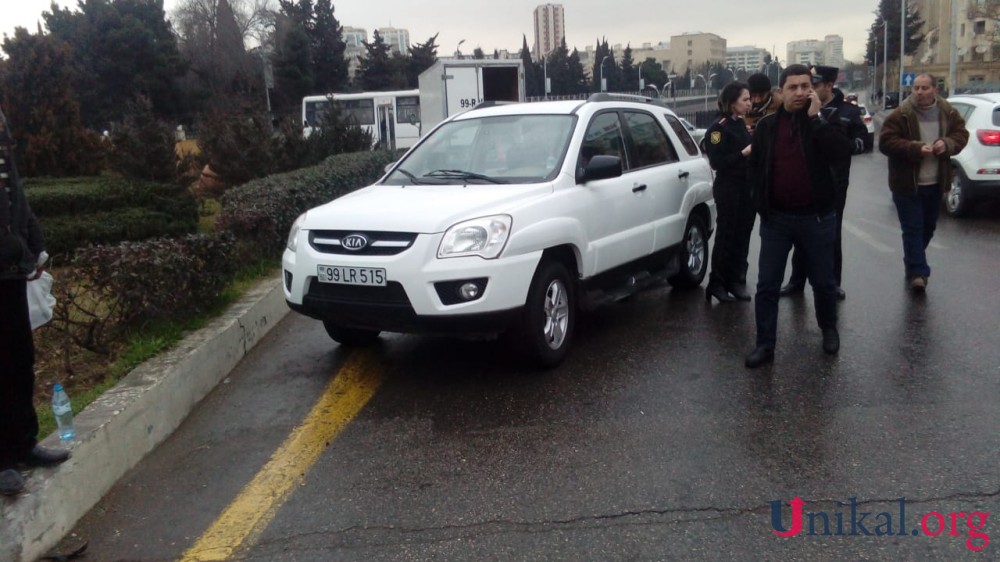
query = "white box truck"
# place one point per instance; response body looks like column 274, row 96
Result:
column 451, row 86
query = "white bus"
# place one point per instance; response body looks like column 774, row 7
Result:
column 392, row 118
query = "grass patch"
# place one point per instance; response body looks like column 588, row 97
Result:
column 154, row 339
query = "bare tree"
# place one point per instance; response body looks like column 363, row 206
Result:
column 196, row 21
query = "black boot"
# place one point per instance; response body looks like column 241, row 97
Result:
column 715, row 289
column 831, row 340
column 792, row 288
column 759, row 356
column 11, row 482
column 739, row 291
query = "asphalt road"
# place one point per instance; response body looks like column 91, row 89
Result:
column 652, row 442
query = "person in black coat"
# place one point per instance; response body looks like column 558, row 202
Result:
column 21, row 246
column 837, row 111
column 728, row 147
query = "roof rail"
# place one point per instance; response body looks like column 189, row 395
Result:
column 492, row 103
column 605, row 96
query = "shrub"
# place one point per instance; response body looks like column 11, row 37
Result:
column 260, row 213
column 110, row 289
column 143, row 146
column 237, row 146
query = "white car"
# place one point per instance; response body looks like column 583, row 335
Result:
column 509, row 219
column 977, row 167
column 869, row 122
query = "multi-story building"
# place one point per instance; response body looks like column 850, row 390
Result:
column 833, row 51
column 397, row 39
column 977, row 38
column 692, row 50
column 748, row 58
column 805, row 51
column 354, row 39
column 550, row 29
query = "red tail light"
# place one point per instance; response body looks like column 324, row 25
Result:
column 988, row 137
column 868, row 119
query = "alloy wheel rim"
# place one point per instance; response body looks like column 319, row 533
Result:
column 695, row 250
column 955, row 195
column 556, row 314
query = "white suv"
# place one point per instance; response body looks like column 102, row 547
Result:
column 509, row 219
column 977, row 167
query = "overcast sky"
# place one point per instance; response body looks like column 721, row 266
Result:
column 770, row 24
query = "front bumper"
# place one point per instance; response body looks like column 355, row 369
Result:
column 419, row 296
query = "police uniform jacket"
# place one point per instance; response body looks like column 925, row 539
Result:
column 725, row 140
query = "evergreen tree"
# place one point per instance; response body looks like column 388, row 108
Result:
column 890, row 10
column 629, row 72
column 478, row 53
column 653, row 74
column 422, row 56
column 533, row 80
column 40, row 102
column 120, row 49
column 329, row 65
column 292, row 66
column 577, row 78
column 380, row 70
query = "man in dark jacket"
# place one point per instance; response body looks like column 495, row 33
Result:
column 846, row 115
column 21, row 245
column 791, row 157
column 920, row 137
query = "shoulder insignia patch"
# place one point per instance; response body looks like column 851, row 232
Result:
column 716, row 137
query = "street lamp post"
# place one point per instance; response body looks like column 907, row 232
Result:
column 604, row 87
column 458, row 49
column 902, row 44
column 885, row 57
column 705, row 80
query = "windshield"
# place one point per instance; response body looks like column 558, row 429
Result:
column 502, row 149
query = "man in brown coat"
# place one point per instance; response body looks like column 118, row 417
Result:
column 920, row 137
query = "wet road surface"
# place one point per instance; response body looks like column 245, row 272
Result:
column 652, row 441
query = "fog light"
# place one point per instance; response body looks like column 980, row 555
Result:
column 469, row 291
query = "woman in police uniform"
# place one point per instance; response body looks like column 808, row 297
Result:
column 728, row 147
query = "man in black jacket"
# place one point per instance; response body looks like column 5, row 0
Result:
column 791, row 157
column 21, row 245
column 846, row 115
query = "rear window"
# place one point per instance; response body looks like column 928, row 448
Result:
column 996, row 116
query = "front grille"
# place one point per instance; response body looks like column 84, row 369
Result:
column 379, row 243
column 392, row 294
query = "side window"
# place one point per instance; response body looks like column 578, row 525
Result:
column 650, row 145
column 604, row 137
column 963, row 108
column 682, row 133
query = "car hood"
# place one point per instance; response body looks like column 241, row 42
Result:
column 424, row 209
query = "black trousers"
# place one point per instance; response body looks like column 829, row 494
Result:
column 799, row 267
column 733, row 228
column 18, row 422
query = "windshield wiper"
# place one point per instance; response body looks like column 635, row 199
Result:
column 412, row 177
column 460, row 174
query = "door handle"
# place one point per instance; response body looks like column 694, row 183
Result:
column 638, row 188
column 683, row 174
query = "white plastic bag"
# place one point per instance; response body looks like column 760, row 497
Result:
column 40, row 300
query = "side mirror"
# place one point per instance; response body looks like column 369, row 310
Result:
column 600, row 167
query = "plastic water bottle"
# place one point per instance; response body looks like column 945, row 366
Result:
column 64, row 413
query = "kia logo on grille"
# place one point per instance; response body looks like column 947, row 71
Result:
column 354, row 242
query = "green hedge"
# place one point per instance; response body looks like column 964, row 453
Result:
column 260, row 213
column 76, row 212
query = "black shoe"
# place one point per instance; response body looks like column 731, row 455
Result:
column 841, row 295
column 739, row 291
column 718, row 291
column 831, row 340
column 41, row 456
column 759, row 356
column 792, row 288
column 11, row 482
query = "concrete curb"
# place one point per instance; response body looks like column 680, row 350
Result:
column 118, row 429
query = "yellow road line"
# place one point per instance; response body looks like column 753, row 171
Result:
column 245, row 519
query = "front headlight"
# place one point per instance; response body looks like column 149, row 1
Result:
column 293, row 234
column 485, row 237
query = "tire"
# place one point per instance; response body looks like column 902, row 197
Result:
column 549, row 317
column 693, row 255
column 957, row 201
column 350, row 337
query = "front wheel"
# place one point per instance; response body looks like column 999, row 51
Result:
column 350, row 337
column 549, row 315
column 694, row 254
column 957, row 201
